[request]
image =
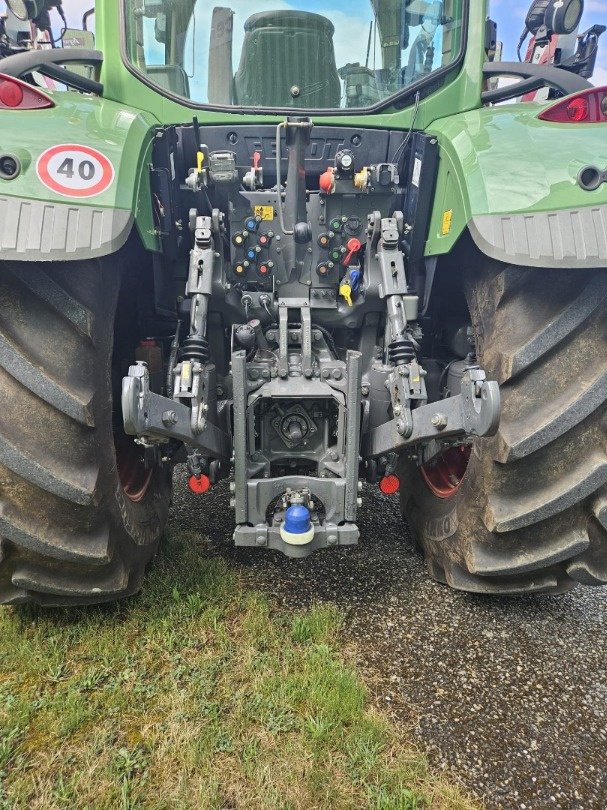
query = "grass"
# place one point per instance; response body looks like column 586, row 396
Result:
column 195, row 695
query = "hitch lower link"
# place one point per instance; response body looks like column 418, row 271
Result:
column 474, row 413
column 157, row 419
column 189, row 415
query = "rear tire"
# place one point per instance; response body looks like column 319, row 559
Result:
column 69, row 532
column 530, row 514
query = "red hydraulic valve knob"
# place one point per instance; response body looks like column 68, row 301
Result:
column 327, row 181
column 353, row 246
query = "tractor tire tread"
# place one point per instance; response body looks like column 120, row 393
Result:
column 68, row 534
column 531, row 513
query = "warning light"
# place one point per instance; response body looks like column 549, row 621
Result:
column 324, row 240
column 239, row 269
column 238, row 239
column 199, row 485
column 264, row 269
column 389, row 484
column 264, row 240
column 322, row 269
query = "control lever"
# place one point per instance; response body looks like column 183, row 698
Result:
column 353, row 246
column 253, row 179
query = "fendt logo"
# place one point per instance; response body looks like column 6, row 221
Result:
column 73, row 170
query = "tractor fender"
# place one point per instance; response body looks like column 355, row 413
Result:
column 82, row 182
column 512, row 181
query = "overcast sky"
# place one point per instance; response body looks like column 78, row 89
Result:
column 509, row 15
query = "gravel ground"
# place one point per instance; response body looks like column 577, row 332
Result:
column 509, row 696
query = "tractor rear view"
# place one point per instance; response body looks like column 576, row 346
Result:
column 302, row 249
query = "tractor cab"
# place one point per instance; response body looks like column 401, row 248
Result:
column 335, row 56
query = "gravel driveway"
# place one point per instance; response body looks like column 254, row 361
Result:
column 508, row 695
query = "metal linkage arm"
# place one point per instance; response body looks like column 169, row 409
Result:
column 158, row 419
column 475, row 413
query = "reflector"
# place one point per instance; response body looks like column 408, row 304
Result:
column 389, row 484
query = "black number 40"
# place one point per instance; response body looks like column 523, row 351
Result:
column 86, row 169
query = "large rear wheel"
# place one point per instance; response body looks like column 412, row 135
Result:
column 82, row 507
column 526, row 510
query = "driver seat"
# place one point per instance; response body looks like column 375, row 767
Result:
column 288, row 60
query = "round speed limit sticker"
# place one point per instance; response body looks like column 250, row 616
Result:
column 75, row 171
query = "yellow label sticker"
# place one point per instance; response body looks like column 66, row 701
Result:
column 447, row 219
column 266, row 212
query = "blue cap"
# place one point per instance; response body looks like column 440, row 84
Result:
column 251, row 224
column 297, row 519
column 252, row 255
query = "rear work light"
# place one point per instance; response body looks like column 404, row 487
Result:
column 18, row 95
column 587, row 107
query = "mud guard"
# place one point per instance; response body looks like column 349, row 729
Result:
column 512, row 181
column 82, row 181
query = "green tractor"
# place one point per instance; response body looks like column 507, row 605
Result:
column 302, row 245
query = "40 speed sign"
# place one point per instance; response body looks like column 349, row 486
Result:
column 73, row 170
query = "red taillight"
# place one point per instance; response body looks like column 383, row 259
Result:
column 577, row 109
column 587, row 107
column 18, row 95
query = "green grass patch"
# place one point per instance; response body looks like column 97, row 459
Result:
column 196, row 694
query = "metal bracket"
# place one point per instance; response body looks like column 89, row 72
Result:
column 306, row 342
column 158, row 419
column 475, row 413
column 283, row 342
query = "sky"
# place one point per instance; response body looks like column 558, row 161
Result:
column 509, row 15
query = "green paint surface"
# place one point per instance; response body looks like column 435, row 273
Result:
column 492, row 160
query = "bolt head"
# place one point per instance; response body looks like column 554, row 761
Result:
column 332, row 539
column 260, row 540
column 439, row 421
column 169, row 418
